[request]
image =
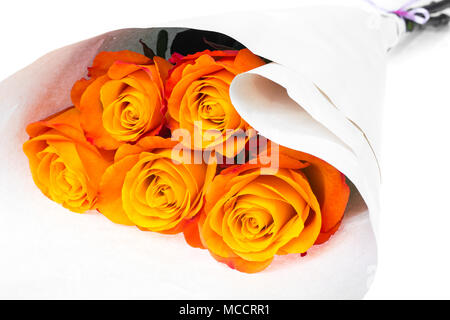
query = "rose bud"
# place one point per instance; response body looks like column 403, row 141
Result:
column 199, row 100
column 123, row 99
column 153, row 186
column 252, row 215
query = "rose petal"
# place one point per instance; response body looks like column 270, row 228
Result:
column 105, row 59
column 110, row 192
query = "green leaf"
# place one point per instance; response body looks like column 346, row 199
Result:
column 161, row 43
column 147, row 51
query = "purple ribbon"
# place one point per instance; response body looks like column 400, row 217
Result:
column 417, row 15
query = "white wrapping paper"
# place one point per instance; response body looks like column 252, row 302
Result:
column 322, row 94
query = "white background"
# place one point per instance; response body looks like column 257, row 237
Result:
column 414, row 259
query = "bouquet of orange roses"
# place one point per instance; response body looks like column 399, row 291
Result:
column 254, row 137
column 158, row 144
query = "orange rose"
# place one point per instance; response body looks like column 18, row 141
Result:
column 152, row 186
column 199, row 100
column 251, row 217
column 123, row 99
column 64, row 165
